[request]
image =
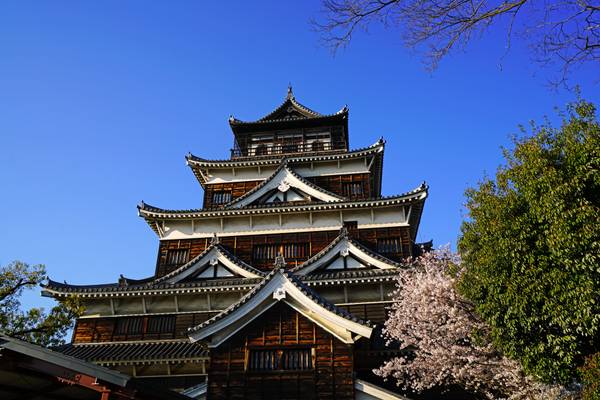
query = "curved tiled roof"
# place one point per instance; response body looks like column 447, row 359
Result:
column 147, row 211
column 350, row 275
column 108, row 353
column 53, row 287
column 289, row 101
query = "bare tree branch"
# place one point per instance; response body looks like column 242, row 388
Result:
column 565, row 33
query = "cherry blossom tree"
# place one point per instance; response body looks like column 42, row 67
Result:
column 445, row 342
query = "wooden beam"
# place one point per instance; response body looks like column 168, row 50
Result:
column 112, row 306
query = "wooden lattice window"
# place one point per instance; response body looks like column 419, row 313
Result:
column 289, row 148
column 317, row 146
column 261, row 150
column 265, row 252
column 177, row 256
column 161, row 324
column 129, row 326
column 352, row 189
column 389, row 245
column 221, row 197
column 280, row 359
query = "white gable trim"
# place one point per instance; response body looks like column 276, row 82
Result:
column 345, row 246
column 212, row 257
column 279, row 288
column 283, row 178
column 368, row 391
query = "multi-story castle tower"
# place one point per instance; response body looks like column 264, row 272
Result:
column 277, row 287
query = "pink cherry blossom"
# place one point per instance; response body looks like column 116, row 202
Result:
column 445, row 341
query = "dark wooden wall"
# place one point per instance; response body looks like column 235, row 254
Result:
column 242, row 246
column 237, row 189
column 281, row 327
column 91, row 330
column 337, row 184
column 376, row 313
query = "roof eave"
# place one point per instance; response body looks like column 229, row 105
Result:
column 197, row 163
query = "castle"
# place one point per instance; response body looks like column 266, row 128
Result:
column 278, row 286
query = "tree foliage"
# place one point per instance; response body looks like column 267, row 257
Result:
column 445, row 342
column 566, row 33
column 34, row 325
column 590, row 373
column 531, row 247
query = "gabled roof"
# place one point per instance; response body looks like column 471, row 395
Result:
column 214, row 255
column 416, row 197
column 344, row 246
column 282, row 180
column 290, row 109
column 242, row 276
column 151, row 212
column 281, row 285
column 201, row 167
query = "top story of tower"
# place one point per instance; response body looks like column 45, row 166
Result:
column 291, row 128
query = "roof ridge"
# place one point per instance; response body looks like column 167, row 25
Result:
column 114, row 287
column 290, row 99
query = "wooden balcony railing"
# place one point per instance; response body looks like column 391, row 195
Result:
column 286, row 148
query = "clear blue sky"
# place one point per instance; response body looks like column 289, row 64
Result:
column 100, row 101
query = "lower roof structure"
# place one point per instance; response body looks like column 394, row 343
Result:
column 29, row 371
column 138, row 352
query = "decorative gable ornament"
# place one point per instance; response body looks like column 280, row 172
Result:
column 279, row 294
column 283, row 187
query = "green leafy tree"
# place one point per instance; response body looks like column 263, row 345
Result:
column 34, row 325
column 531, row 247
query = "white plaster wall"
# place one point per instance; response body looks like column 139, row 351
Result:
column 193, row 302
column 290, row 222
column 226, row 175
column 363, row 292
column 96, row 307
column 158, row 304
column 128, row 305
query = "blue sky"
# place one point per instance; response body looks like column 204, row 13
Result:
column 100, row 101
